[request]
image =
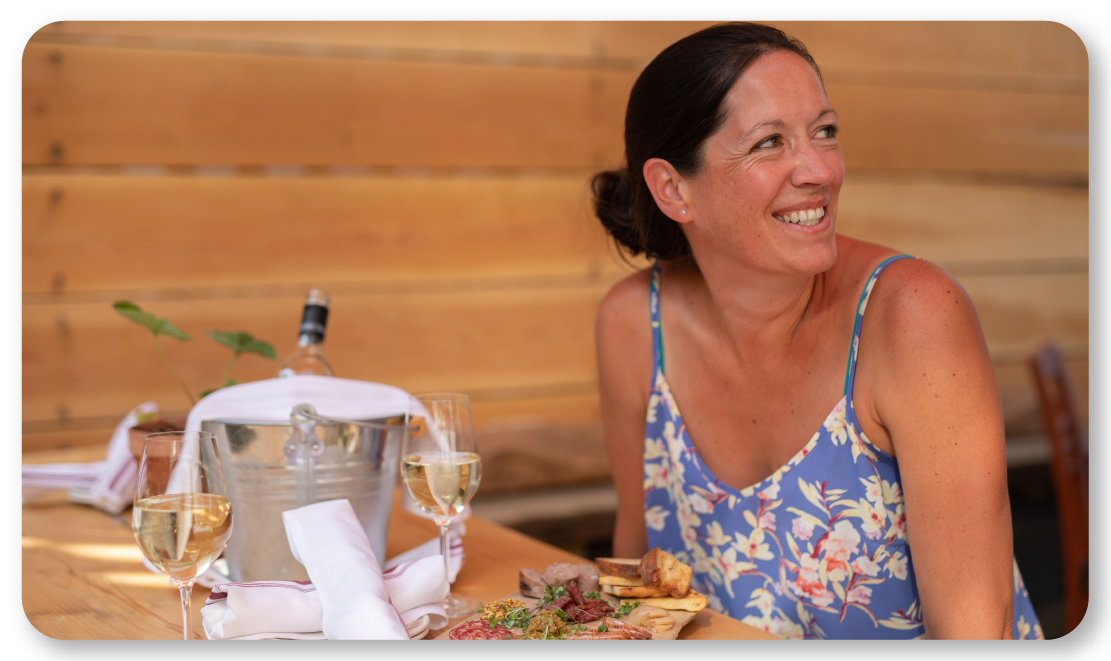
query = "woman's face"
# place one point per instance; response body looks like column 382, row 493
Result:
column 767, row 189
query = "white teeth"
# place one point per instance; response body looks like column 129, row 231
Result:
column 807, row 217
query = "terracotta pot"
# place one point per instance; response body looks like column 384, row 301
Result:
column 137, row 435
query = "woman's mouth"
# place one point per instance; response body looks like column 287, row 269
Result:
column 803, row 216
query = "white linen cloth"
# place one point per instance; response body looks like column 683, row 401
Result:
column 455, row 558
column 292, row 609
column 272, row 400
column 329, row 541
column 218, row 572
column 354, row 600
column 108, row 485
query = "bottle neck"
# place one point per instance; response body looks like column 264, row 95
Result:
column 312, row 342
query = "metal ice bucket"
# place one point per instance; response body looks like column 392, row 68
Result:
column 272, row 467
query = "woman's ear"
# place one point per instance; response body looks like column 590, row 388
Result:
column 668, row 188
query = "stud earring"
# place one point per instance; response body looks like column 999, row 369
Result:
column 684, row 212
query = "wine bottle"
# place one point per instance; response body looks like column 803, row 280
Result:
column 309, row 356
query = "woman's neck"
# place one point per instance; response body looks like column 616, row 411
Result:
column 757, row 310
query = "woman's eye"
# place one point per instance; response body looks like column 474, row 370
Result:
column 828, row 132
column 768, row 143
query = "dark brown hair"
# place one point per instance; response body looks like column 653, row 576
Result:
column 677, row 103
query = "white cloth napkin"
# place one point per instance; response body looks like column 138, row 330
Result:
column 292, row 609
column 330, row 542
column 455, row 559
column 272, row 400
column 108, row 485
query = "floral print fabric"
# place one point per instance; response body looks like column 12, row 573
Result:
column 817, row 550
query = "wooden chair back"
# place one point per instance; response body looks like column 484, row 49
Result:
column 1069, row 465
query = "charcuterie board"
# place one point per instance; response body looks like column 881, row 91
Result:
column 681, row 618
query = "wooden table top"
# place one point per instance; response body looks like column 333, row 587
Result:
column 83, row 576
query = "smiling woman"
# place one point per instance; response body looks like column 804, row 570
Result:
column 732, row 182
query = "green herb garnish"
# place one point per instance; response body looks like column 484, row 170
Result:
column 553, row 592
column 626, row 608
column 603, row 628
column 592, row 595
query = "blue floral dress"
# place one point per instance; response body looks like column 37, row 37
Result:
column 818, row 549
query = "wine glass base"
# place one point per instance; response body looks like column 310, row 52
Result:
column 456, row 606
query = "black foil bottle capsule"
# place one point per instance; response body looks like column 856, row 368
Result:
column 309, row 356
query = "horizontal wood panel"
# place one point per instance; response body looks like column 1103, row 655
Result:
column 85, row 360
column 261, row 231
column 1013, row 49
column 968, row 130
column 118, row 106
column 88, row 361
column 510, row 432
column 1018, row 313
column 126, row 106
column 966, row 222
column 254, row 231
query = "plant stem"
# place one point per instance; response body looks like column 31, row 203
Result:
column 227, row 372
column 158, row 348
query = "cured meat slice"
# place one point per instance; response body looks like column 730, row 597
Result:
column 576, row 595
column 480, row 630
column 617, row 630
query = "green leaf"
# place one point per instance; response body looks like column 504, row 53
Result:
column 242, row 342
column 206, row 393
column 155, row 325
column 230, row 382
column 261, row 348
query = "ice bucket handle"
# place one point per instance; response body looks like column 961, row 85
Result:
column 303, row 413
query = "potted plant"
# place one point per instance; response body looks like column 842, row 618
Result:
column 240, row 342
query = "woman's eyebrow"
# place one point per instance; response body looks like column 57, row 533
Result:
column 779, row 122
column 754, row 129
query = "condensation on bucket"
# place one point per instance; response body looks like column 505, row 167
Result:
column 358, row 463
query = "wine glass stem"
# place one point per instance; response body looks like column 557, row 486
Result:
column 444, row 552
column 186, row 612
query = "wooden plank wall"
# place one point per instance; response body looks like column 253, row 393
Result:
column 433, row 176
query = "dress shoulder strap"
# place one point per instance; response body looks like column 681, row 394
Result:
column 654, row 311
column 850, row 373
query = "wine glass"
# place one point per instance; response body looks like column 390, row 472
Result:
column 442, row 469
column 182, row 515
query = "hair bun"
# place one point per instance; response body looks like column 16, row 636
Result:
column 614, row 203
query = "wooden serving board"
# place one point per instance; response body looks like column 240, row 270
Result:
column 682, row 618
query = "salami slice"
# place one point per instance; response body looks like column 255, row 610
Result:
column 480, row 630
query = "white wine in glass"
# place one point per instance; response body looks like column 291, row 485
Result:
column 182, row 516
column 441, row 469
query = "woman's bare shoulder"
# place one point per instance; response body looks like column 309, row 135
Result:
column 918, row 296
column 913, row 300
column 625, row 305
column 623, row 335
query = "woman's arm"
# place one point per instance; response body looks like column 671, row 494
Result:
column 934, row 392
column 624, row 346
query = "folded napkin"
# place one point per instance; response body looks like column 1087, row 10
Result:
column 455, row 558
column 108, row 485
column 330, row 542
column 292, row 609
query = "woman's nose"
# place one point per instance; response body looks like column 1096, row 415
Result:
column 811, row 168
